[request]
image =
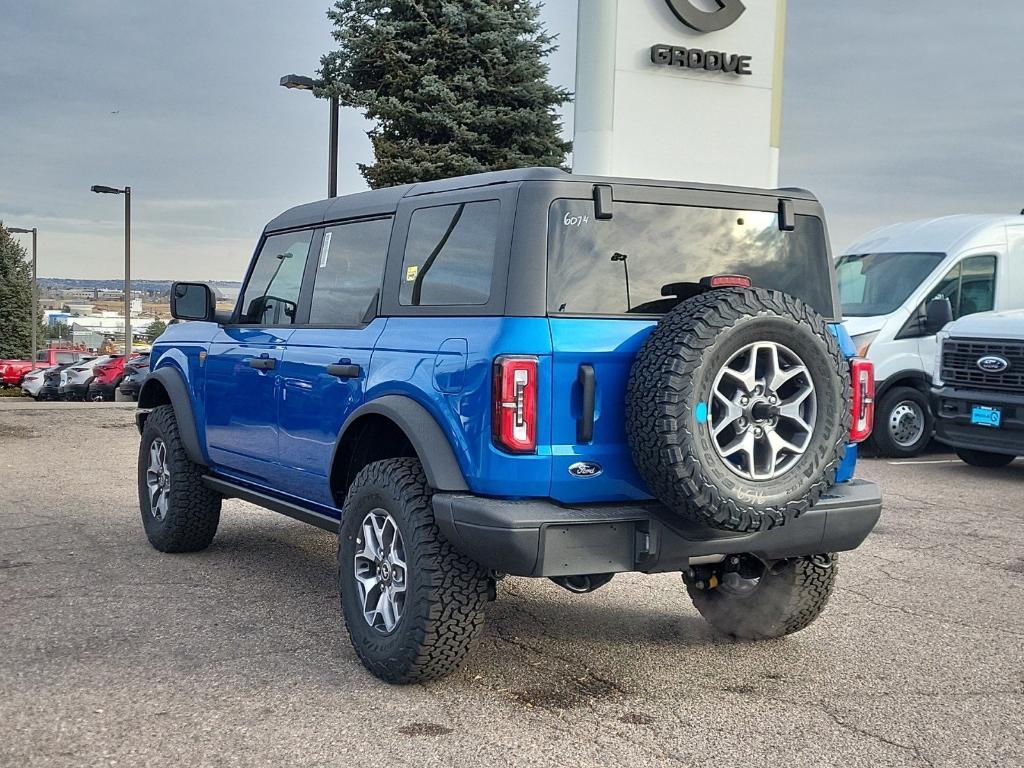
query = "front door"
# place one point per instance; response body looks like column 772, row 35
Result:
column 243, row 366
column 327, row 362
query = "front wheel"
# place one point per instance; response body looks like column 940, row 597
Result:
column 984, row 458
column 413, row 606
column 179, row 513
column 757, row 601
column 903, row 423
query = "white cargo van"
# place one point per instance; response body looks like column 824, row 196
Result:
column 885, row 282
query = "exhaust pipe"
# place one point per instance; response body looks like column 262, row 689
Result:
column 580, row 585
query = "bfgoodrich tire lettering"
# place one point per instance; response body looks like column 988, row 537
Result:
column 671, row 383
column 445, row 592
column 187, row 518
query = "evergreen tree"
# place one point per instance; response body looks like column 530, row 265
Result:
column 157, row 327
column 15, row 299
column 454, row 86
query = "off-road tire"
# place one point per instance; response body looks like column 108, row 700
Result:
column 984, row 458
column 790, row 596
column 881, row 436
column 445, row 592
column 674, row 372
column 193, row 509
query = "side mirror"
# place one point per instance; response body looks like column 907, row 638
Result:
column 938, row 313
column 192, row 301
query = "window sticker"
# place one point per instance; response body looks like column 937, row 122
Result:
column 325, row 249
column 410, row 273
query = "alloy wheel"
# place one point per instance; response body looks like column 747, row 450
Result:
column 380, row 570
column 158, row 479
column 763, row 410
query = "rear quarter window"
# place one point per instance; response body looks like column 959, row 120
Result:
column 620, row 266
column 449, row 255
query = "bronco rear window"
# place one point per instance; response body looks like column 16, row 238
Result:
column 632, row 263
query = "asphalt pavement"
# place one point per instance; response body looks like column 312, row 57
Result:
column 114, row 654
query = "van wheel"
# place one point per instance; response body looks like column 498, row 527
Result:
column 413, row 606
column 179, row 513
column 770, row 601
column 984, row 458
column 903, row 423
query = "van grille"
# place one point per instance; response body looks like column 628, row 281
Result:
column 960, row 364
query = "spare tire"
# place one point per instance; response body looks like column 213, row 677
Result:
column 738, row 408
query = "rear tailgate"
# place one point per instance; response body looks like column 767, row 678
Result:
column 609, row 347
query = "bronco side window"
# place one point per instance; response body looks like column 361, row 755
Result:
column 349, row 272
column 449, row 255
column 272, row 294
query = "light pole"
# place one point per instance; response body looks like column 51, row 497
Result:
column 303, row 83
column 35, row 315
column 127, row 192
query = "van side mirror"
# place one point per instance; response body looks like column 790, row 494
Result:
column 938, row 313
column 192, row 301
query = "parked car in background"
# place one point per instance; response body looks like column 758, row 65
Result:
column 79, row 376
column 108, row 376
column 885, row 282
column 33, row 382
column 51, row 382
column 979, row 388
column 134, row 374
column 13, row 371
column 85, row 364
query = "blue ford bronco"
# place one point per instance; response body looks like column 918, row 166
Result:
column 525, row 373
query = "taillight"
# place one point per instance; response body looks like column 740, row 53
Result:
column 863, row 374
column 514, row 402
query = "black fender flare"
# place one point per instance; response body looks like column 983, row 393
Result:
column 427, row 438
column 171, row 381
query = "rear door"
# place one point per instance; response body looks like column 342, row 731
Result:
column 328, row 357
column 243, row 364
column 609, row 280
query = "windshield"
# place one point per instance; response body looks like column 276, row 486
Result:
column 878, row 283
column 648, row 256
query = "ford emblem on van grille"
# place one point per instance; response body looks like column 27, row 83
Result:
column 993, row 364
column 585, row 469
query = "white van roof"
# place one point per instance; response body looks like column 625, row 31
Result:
column 948, row 234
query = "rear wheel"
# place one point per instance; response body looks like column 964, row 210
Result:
column 984, row 458
column 756, row 601
column 903, row 423
column 413, row 606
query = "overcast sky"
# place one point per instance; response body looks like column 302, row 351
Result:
column 893, row 110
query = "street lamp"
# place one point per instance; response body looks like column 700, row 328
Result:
column 127, row 192
column 303, row 83
column 35, row 315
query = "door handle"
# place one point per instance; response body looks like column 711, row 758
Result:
column 263, row 363
column 344, row 370
column 588, row 392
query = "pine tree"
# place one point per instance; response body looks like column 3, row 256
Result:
column 156, row 327
column 454, row 87
column 15, row 299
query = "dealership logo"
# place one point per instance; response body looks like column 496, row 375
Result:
column 993, row 364
column 727, row 14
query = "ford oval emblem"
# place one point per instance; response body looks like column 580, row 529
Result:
column 585, row 469
column 993, row 364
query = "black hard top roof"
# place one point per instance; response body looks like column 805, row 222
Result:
column 385, row 200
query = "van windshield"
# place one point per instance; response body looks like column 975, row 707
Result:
column 878, row 283
column 647, row 256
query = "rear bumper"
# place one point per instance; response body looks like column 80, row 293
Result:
column 952, row 408
column 540, row 538
column 107, row 390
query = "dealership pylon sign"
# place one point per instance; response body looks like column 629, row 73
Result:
column 680, row 89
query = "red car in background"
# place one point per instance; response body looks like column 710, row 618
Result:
column 13, row 371
column 107, row 377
